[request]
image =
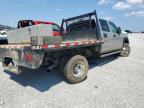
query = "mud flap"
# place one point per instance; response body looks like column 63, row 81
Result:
column 12, row 68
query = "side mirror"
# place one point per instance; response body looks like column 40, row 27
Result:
column 119, row 30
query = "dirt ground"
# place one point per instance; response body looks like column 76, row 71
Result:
column 113, row 82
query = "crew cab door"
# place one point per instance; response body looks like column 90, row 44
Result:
column 117, row 37
column 107, row 37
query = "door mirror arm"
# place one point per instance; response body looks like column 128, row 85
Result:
column 119, row 30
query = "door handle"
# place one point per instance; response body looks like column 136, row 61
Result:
column 105, row 35
column 114, row 35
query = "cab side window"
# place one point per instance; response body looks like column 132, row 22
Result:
column 56, row 28
column 113, row 27
column 104, row 25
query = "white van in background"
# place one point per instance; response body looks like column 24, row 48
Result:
column 3, row 37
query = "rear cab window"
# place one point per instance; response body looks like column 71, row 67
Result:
column 78, row 26
column 104, row 25
column 81, row 24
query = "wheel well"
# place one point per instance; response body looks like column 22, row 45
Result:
column 126, row 40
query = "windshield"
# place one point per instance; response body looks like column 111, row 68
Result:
column 25, row 23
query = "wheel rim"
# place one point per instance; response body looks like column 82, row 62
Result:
column 125, row 49
column 78, row 69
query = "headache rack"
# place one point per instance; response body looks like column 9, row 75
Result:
column 81, row 27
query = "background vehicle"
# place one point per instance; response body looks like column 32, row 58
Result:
column 3, row 37
column 79, row 37
column 27, row 23
column 128, row 31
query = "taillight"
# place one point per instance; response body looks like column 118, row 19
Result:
column 28, row 57
column 56, row 33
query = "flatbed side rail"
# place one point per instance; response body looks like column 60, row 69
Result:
column 62, row 45
column 74, row 44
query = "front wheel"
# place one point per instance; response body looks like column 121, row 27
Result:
column 76, row 69
column 125, row 50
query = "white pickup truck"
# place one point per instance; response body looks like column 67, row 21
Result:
column 66, row 47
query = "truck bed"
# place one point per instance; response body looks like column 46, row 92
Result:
column 30, row 52
column 32, row 56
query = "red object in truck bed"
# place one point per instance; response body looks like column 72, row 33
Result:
column 43, row 22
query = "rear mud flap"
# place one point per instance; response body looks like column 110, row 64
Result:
column 12, row 68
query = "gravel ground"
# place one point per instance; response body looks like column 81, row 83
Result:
column 112, row 83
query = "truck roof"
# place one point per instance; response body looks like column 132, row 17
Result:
column 26, row 23
column 44, row 22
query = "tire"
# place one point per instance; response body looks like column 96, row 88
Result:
column 62, row 64
column 125, row 50
column 76, row 69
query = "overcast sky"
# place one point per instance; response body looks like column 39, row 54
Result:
column 129, row 14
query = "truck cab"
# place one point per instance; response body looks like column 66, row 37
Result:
column 111, row 35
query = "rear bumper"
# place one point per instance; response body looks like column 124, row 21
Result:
column 12, row 56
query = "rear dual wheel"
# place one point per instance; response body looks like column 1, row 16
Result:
column 76, row 69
